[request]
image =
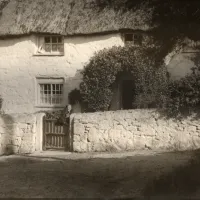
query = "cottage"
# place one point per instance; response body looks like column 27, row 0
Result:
column 45, row 44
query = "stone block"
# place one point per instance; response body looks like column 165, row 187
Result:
column 129, row 145
column 79, row 129
column 139, row 142
column 77, row 147
column 116, row 135
column 131, row 128
column 83, row 137
column 105, row 124
column 93, row 135
column 112, row 133
column 191, row 129
column 77, row 138
column 195, row 142
column 84, row 147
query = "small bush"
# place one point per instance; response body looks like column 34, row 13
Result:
column 185, row 94
column 74, row 97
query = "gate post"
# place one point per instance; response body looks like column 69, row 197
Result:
column 39, row 131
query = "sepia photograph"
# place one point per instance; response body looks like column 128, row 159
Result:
column 100, row 99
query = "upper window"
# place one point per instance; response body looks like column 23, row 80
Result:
column 135, row 39
column 51, row 45
column 50, row 92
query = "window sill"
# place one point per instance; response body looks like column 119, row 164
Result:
column 48, row 54
column 46, row 106
column 131, row 43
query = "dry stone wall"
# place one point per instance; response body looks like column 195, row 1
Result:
column 133, row 130
column 17, row 133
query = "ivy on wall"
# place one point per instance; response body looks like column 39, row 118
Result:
column 145, row 64
column 153, row 86
column 173, row 22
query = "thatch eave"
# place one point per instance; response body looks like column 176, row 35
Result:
column 119, row 31
column 62, row 17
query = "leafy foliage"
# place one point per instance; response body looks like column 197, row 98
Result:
column 144, row 64
column 185, row 94
column 74, row 97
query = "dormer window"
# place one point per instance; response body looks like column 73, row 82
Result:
column 133, row 38
column 51, row 45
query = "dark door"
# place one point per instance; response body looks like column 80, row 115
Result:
column 127, row 94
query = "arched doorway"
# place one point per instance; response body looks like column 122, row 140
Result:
column 127, row 94
column 123, row 92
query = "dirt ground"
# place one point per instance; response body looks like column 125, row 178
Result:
column 136, row 175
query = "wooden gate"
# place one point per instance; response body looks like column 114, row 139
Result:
column 55, row 136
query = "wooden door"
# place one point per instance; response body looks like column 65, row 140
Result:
column 54, row 136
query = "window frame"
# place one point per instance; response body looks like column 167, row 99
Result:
column 133, row 41
column 41, row 46
column 49, row 81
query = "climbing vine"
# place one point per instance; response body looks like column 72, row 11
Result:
column 144, row 64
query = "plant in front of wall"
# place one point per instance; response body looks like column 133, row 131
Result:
column 145, row 66
column 75, row 97
column 185, row 94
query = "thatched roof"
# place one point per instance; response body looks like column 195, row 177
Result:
column 69, row 17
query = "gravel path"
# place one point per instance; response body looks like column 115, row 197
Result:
column 139, row 174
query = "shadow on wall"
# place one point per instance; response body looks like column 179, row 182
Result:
column 7, row 139
column 81, row 40
column 72, row 84
column 7, row 127
column 9, row 42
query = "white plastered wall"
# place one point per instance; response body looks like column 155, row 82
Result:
column 19, row 67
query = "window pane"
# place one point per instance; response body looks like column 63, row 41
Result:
column 47, row 47
column 61, row 89
column 54, row 40
column 128, row 37
column 47, row 40
column 61, row 47
column 59, row 39
column 51, row 94
column 58, row 87
column 47, row 89
column 53, row 100
column 53, row 89
column 137, row 39
column 54, row 47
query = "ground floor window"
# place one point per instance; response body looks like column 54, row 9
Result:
column 50, row 92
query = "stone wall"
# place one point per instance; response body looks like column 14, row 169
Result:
column 17, row 134
column 133, row 130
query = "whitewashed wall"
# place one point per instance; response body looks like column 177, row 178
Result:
column 19, row 67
